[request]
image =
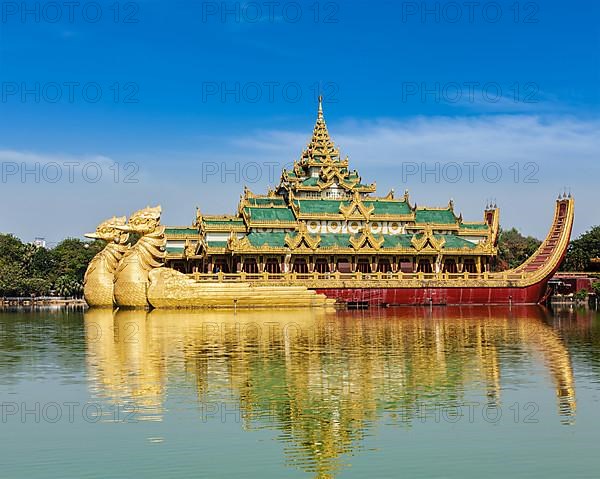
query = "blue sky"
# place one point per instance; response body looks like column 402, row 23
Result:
column 189, row 97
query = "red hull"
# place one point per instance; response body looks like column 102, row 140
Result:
column 425, row 296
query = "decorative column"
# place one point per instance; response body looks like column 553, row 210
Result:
column 285, row 267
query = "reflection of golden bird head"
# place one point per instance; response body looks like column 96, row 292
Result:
column 143, row 221
column 111, row 230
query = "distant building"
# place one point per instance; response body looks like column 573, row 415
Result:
column 39, row 242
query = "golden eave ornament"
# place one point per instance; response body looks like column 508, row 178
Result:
column 302, row 237
column 428, row 239
column 356, row 209
column 366, row 240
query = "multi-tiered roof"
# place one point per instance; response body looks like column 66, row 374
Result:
column 321, row 169
column 321, row 205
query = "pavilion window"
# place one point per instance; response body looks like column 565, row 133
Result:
column 384, row 266
column 250, row 266
column 343, row 265
column 470, row 266
column 300, row 266
column 450, row 266
column 221, row 266
column 363, row 266
column 424, row 266
column 272, row 266
column 406, row 265
column 321, row 266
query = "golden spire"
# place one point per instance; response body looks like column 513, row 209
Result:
column 320, row 116
column 321, row 148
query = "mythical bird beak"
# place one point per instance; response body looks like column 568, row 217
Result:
column 92, row 235
column 126, row 228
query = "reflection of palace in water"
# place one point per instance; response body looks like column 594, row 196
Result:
column 321, row 379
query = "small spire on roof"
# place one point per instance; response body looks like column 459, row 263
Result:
column 320, row 107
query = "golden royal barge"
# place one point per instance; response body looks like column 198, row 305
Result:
column 321, row 236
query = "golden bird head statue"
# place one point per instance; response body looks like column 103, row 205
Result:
column 143, row 221
column 110, row 230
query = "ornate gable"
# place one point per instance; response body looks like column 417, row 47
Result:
column 302, row 239
column 367, row 240
column 356, row 209
column 428, row 240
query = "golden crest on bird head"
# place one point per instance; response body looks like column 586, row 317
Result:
column 110, row 230
column 143, row 221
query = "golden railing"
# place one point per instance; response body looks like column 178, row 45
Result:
column 327, row 279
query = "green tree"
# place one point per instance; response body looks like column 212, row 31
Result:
column 582, row 250
column 12, row 272
column 35, row 287
column 514, row 248
column 28, row 270
column 68, row 286
column 11, row 249
column 43, row 265
column 72, row 256
column 11, row 279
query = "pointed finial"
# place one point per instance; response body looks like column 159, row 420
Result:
column 320, row 107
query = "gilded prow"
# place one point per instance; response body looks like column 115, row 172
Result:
column 542, row 264
column 131, row 278
column 98, row 283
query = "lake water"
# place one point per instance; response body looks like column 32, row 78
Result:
column 476, row 392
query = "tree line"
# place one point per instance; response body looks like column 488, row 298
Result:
column 28, row 270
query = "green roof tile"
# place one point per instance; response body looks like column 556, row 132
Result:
column 454, row 242
column 275, row 201
column 335, row 240
column 445, row 217
column 310, row 181
column 271, row 214
column 475, row 226
column 217, row 244
column 319, row 206
column 383, row 207
column 276, row 239
column 393, row 241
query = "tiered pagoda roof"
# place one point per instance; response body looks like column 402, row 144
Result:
column 320, row 167
column 320, row 205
